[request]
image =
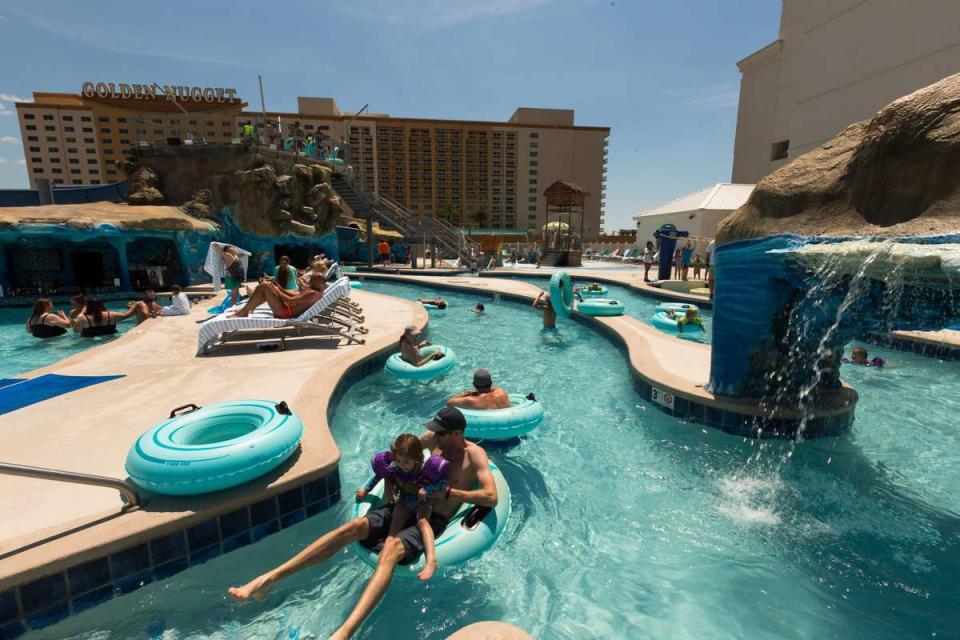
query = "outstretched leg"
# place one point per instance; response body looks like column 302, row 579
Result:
column 393, row 552
column 429, row 544
column 318, row 551
column 258, row 297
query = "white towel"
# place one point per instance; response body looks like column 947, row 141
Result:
column 214, row 262
column 179, row 305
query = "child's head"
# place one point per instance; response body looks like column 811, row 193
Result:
column 407, row 451
column 691, row 313
column 480, row 307
column 859, row 355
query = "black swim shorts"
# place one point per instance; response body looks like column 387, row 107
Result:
column 378, row 521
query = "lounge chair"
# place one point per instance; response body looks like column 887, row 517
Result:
column 333, row 315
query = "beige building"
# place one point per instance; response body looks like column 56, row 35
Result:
column 490, row 174
column 834, row 63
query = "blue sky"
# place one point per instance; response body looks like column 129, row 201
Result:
column 661, row 74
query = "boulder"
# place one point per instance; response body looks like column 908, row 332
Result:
column 203, row 204
column 299, row 228
column 144, row 187
column 896, row 174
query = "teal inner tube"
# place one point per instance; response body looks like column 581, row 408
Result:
column 215, row 447
column 595, row 293
column 668, row 325
column 561, row 293
column 462, row 540
column 600, row 307
column 521, row 417
column 680, row 307
column 356, row 284
column 400, row 368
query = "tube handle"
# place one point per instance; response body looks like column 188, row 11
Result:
column 192, row 407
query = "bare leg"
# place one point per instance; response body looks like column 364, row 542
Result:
column 318, row 551
column 234, row 296
column 258, row 297
column 398, row 520
column 429, row 544
column 391, row 555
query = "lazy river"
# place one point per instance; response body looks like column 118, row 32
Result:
column 627, row 523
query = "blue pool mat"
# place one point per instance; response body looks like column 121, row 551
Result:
column 6, row 382
column 16, row 396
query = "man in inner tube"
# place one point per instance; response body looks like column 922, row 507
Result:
column 483, row 396
column 469, row 468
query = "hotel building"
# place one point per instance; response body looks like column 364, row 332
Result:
column 489, row 174
column 833, row 64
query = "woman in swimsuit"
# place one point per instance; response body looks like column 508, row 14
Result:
column 97, row 321
column 44, row 323
column 77, row 303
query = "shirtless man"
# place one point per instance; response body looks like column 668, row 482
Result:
column 469, row 467
column 549, row 315
column 283, row 303
column 410, row 348
column 485, row 396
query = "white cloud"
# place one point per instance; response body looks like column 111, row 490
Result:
column 9, row 140
column 440, row 13
column 709, row 97
column 4, row 161
column 20, row 161
column 7, row 97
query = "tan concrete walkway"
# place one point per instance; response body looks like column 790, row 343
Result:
column 91, row 430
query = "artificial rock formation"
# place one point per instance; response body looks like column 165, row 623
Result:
column 144, row 187
column 896, row 174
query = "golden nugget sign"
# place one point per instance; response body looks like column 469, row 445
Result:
column 153, row 91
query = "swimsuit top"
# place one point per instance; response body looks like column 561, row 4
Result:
column 40, row 330
column 92, row 330
column 432, row 475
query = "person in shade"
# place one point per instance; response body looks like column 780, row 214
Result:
column 44, row 322
column 468, row 480
column 97, row 321
column 483, row 396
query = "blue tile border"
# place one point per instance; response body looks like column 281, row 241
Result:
column 890, row 341
column 50, row 599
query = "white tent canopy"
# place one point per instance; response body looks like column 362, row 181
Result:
column 699, row 212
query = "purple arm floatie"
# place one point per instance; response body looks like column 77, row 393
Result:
column 381, row 468
column 434, row 474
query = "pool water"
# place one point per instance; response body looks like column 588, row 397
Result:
column 626, row 522
column 635, row 304
column 20, row 352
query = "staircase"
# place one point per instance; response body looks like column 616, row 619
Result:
column 561, row 258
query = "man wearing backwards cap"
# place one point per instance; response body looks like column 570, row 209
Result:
column 483, row 396
column 469, row 468
column 410, row 348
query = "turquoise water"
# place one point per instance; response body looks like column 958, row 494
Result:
column 20, row 352
column 627, row 523
column 635, row 304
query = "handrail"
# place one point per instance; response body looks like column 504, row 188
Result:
column 128, row 494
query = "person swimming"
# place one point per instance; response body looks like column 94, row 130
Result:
column 690, row 317
column 479, row 309
column 44, row 322
column 437, row 302
column 859, row 356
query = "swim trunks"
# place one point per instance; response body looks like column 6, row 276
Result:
column 286, row 313
column 230, row 283
column 378, row 522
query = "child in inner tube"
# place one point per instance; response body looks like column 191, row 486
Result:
column 859, row 356
column 594, row 286
column 410, row 482
column 437, row 302
column 690, row 317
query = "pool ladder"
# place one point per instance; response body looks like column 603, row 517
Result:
column 131, row 499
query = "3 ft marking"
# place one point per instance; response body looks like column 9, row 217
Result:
column 661, row 397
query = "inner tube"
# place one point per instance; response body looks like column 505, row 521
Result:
column 464, row 538
column 561, row 294
column 214, row 447
column 595, row 293
column 677, row 306
column 356, row 284
column 600, row 307
column 668, row 325
column 400, row 368
column 521, row 417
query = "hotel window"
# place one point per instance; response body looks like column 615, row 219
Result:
column 533, row 190
column 89, row 141
column 108, row 141
column 158, row 132
column 31, row 127
column 111, row 172
column 779, row 150
column 47, row 117
column 534, row 135
column 58, row 180
column 104, row 119
column 84, row 118
column 71, row 150
column 55, row 160
column 75, row 172
column 121, row 119
column 157, row 121
column 74, row 161
column 68, row 118
column 104, row 130
column 88, row 129
column 71, row 139
column 51, row 138
column 53, row 149
column 533, row 154
column 38, row 170
column 533, row 172
column 29, row 116
column 124, row 130
column 35, row 149
column 37, row 160
column 91, row 161
column 108, row 152
column 94, row 182
column 533, row 163
column 32, row 139
column 124, row 141
column 78, row 182
column 68, row 129
column 533, row 199
column 57, row 170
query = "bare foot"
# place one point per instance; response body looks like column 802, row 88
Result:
column 258, row 588
column 238, row 314
column 339, row 635
column 428, row 570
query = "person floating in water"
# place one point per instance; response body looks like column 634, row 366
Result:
column 859, row 356
column 437, row 302
column 690, row 318
column 483, row 396
column 549, row 315
column 410, row 348
column 479, row 309
column 417, row 481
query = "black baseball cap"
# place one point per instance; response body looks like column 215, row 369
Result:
column 482, row 379
column 447, row 419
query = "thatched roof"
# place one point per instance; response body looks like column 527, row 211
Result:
column 92, row 214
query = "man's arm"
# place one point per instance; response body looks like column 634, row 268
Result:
column 465, row 401
column 486, row 495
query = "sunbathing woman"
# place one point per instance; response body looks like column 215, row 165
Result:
column 284, row 304
column 44, row 323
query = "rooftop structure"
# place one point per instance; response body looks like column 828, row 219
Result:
column 699, row 212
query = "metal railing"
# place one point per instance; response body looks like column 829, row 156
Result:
column 128, row 494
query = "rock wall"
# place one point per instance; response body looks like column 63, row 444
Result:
column 896, row 174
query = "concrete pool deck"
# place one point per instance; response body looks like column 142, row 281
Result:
column 669, row 371
column 89, row 431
